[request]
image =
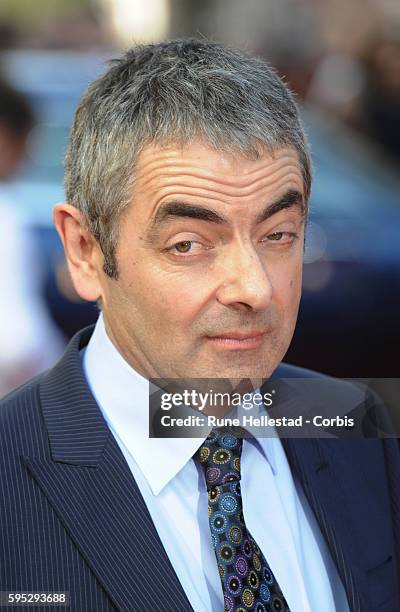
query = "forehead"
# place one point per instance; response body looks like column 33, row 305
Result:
column 159, row 165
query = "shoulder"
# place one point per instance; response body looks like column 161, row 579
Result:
column 22, row 418
column 21, row 399
column 22, row 432
column 20, row 410
column 302, row 378
column 324, row 391
column 285, row 370
column 336, row 397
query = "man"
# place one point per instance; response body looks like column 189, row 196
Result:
column 187, row 180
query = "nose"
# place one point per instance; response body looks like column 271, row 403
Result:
column 245, row 284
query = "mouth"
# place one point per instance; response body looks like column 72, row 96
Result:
column 237, row 340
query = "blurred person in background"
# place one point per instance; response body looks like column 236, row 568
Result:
column 29, row 342
column 379, row 104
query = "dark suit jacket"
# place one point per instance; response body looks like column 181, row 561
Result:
column 72, row 517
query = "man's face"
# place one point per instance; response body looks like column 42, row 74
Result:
column 210, row 264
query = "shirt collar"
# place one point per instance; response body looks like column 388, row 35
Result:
column 123, row 398
column 265, row 444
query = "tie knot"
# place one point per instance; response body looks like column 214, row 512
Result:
column 219, row 455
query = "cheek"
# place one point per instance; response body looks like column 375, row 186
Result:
column 295, row 281
column 181, row 301
column 287, row 287
column 167, row 300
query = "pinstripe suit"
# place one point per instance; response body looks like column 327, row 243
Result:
column 72, row 517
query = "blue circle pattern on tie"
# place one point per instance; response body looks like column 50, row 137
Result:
column 247, row 580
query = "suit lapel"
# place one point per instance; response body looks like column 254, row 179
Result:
column 346, row 483
column 318, row 478
column 94, row 494
column 334, row 474
column 392, row 461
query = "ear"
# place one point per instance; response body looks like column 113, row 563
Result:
column 82, row 251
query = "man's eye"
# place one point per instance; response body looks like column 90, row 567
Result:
column 185, row 246
column 276, row 236
column 282, row 237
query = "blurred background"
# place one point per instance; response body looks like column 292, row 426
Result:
column 340, row 57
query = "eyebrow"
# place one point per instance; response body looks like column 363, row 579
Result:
column 290, row 199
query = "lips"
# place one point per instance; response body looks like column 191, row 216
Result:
column 234, row 335
column 238, row 340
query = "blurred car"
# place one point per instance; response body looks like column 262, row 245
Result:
column 349, row 321
column 349, row 316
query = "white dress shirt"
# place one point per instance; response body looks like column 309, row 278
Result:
column 275, row 509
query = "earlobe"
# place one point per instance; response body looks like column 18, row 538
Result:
column 82, row 252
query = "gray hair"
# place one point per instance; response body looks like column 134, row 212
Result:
column 172, row 92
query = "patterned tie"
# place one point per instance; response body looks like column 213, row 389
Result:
column 247, row 580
